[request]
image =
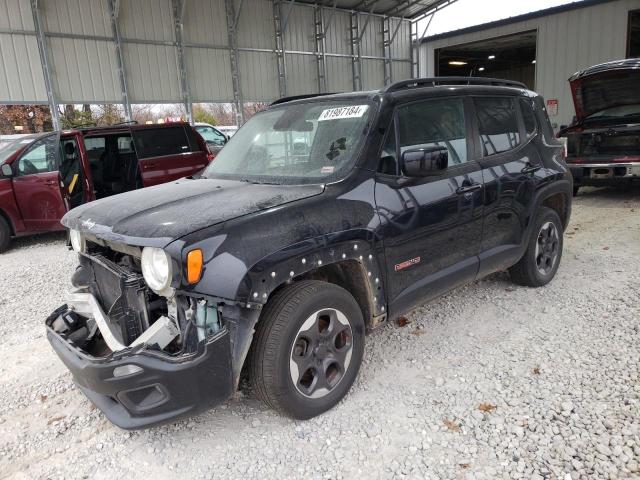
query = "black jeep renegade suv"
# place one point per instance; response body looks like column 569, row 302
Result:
column 324, row 217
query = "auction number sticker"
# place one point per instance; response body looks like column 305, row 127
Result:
column 353, row 111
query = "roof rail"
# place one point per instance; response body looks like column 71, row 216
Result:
column 298, row 97
column 436, row 81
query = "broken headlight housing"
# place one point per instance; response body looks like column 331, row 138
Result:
column 156, row 269
column 78, row 242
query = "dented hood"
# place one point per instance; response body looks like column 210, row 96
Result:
column 607, row 85
column 160, row 214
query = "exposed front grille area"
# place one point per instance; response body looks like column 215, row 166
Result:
column 123, row 295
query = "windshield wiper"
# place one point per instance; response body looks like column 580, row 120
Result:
column 255, row 182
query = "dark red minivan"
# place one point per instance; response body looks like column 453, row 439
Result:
column 44, row 175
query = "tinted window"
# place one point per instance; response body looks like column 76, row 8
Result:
column 434, row 122
column 42, row 156
column 193, row 141
column 158, row 142
column 497, row 124
column 633, row 42
column 388, row 155
column 528, row 117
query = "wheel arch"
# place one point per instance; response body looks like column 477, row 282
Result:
column 5, row 216
column 558, row 197
column 347, row 260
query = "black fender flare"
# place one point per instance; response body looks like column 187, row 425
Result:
column 285, row 265
column 558, row 186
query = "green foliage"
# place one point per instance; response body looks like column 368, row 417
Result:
column 203, row 116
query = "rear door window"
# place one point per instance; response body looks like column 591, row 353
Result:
column 497, row 124
column 160, row 142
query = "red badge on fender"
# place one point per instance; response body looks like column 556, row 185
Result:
column 407, row 263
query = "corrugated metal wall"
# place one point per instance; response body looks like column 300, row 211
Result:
column 567, row 42
column 83, row 56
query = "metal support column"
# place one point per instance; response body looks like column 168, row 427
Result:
column 388, row 37
column 415, row 51
column 178, row 23
column 232, row 32
column 44, row 60
column 280, row 25
column 114, row 11
column 321, row 59
column 356, row 64
column 386, row 49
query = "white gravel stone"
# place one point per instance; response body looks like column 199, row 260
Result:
column 561, row 365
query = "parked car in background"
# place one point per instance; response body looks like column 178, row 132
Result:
column 44, row 175
column 603, row 143
column 214, row 137
column 322, row 218
column 228, row 130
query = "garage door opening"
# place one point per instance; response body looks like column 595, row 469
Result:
column 512, row 57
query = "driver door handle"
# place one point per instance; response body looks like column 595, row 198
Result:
column 468, row 188
column 529, row 168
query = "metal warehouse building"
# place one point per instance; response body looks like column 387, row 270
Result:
column 201, row 51
column 541, row 49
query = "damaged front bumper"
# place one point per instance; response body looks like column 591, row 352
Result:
column 139, row 387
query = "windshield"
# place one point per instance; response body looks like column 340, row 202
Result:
column 210, row 134
column 8, row 146
column 621, row 111
column 313, row 142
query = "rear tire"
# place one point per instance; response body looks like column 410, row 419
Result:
column 540, row 261
column 5, row 235
column 307, row 349
column 575, row 191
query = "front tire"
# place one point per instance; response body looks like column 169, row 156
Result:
column 308, row 348
column 540, row 261
column 5, row 235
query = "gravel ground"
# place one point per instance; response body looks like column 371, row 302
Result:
column 491, row 381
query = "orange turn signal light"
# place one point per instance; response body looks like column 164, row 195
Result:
column 194, row 266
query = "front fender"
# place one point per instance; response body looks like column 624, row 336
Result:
column 231, row 278
column 320, row 252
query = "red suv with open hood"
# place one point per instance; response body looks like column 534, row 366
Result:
column 44, row 175
column 603, row 143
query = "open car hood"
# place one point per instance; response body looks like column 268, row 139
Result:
column 605, row 86
column 155, row 216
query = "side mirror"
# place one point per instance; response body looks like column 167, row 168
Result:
column 426, row 161
column 6, row 169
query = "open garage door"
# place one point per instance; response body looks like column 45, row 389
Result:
column 511, row 57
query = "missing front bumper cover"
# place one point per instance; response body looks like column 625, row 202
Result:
column 160, row 333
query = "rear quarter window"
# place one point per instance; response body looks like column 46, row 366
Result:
column 528, row 117
column 160, row 142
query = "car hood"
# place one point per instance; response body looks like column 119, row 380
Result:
column 157, row 215
column 605, row 86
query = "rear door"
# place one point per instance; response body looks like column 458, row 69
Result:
column 36, row 185
column 432, row 226
column 167, row 153
column 506, row 129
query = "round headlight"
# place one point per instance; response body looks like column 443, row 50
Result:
column 156, row 268
column 78, row 242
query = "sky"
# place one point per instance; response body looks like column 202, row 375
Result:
column 466, row 13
